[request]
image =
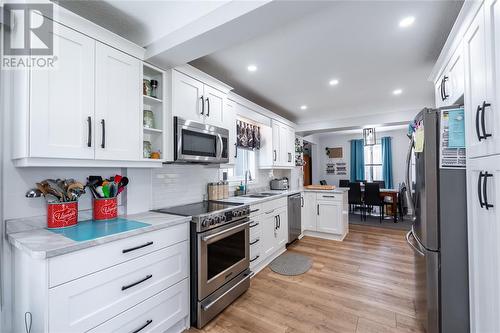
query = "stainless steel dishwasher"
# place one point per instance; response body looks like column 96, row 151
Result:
column 294, row 217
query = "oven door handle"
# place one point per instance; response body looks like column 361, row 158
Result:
column 207, row 238
column 209, row 305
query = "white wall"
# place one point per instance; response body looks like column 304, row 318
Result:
column 399, row 148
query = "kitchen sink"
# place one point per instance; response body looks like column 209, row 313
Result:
column 260, row 195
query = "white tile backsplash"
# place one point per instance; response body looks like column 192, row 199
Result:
column 178, row 184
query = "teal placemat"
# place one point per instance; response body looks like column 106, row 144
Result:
column 90, row 229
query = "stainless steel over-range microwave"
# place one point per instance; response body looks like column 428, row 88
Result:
column 198, row 142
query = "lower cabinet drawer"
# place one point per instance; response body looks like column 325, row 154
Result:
column 274, row 204
column 329, row 196
column 82, row 304
column 156, row 314
column 74, row 265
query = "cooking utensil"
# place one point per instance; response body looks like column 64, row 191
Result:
column 34, row 193
column 123, row 182
column 100, row 191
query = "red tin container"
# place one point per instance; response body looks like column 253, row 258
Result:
column 105, row 209
column 62, row 215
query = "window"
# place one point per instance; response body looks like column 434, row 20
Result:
column 245, row 160
column 373, row 162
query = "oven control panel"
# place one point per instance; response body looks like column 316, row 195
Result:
column 217, row 219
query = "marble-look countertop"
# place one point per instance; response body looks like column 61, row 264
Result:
column 31, row 235
column 338, row 190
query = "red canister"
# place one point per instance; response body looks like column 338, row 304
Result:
column 62, row 215
column 105, row 209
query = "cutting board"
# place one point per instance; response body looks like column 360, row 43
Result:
column 320, row 187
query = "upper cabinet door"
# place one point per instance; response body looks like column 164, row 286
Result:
column 480, row 109
column 454, row 86
column 187, row 97
column 62, row 99
column 118, row 107
column 277, row 155
column 291, row 146
column 483, row 192
column 282, row 232
column 230, row 124
column 214, row 106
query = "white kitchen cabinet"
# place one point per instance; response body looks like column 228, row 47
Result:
column 277, row 143
column 256, row 240
column 118, row 120
column 454, row 87
column 187, row 97
column 482, row 121
column 62, row 113
column 326, row 214
column 329, row 216
column 266, row 151
column 483, row 181
column 282, row 226
column 309, row 211
column 62, row 100
column 283, row 145
column 193, row 99
column 117, row 290
column 230, row 124
column 269, row 234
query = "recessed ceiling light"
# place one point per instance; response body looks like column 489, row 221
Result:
column 333, row 82
column 252, row 68
column 303, row 107
column 407, row 21
column 397, row 92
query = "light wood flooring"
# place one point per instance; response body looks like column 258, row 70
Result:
column 363, row 284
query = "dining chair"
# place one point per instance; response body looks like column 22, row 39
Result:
column 344, row 183
column 380, row 182
column 355, row 198
column 372, row 198
column 322, row 182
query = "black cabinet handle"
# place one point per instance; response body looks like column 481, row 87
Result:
column 208, row 105
column 485, row 187
column 441, row 89
column 479, row 189
column 103, row 142
column 478, row 131
column 275, row 223
column 445, row 96
column 274, row 154
column 483, row 122
column 138, row 282
column 254, row 225
column 137, row 247
column 317, row 209
column 89, row 135
column 255, row 241
column 301, row 201
column 202, row 106
column 235, row 150
column 254, row 211
column 256, row 257
column 143, row 326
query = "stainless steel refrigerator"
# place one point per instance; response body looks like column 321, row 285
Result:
column 436, row 195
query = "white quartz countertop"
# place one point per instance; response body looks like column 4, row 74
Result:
column 339, row 190
column 31, row 235
column 253, row 201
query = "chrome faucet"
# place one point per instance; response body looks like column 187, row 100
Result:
column 248, row 176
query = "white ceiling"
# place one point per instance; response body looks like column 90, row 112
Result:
column 358, row 42
column 141, row 22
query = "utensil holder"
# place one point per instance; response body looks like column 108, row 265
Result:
column 105, row 208
column 62, row 215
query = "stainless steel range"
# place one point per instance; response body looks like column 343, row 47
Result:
column 220, row 256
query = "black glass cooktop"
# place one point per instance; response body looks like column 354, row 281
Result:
column 198, row 208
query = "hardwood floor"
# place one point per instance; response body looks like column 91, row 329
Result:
column 363, row 284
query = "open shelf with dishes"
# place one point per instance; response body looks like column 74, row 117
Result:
column 154, row 111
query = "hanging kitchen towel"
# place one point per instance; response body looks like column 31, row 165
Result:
column 248, row 135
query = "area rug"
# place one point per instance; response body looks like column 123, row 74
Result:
column 291, row 264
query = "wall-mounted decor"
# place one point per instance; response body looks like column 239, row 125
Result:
column 247, row 135
column 330, row 168
column 334, row 152
column 341, row 168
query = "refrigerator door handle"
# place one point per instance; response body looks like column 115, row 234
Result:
column 408, row 183
column 411, row 244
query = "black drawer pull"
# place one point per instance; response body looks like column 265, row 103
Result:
column 257, row 257
column 254, row 211
column 138, row 282
column 255, row 241
column 137, row 247
column 143, row 326
column 89, row 135
column 254, row 225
